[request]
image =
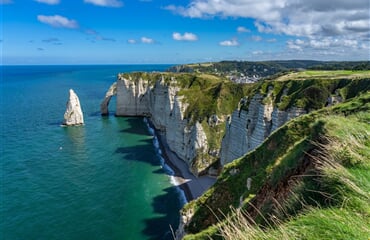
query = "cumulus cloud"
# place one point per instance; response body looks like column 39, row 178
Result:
column 311, row 19
column 227, row 8
column 242, row 29
column 329, row 46
column 58, row 21
column 50, row 2
column 105, row 3
column 184, row 37
column 147, row 40
column 229, row 43
column 131, row 41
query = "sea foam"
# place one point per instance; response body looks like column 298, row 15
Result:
column 166, row 168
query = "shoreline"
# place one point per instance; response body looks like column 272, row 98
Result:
column 192, row 186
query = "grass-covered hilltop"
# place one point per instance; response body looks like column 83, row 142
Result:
column 249, row 72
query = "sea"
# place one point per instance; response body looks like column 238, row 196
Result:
column 103, row 180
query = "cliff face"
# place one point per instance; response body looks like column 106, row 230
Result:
column 196, row 112
column 247, row 129
column 160, row 101
column 73, row 114
column 110, row 93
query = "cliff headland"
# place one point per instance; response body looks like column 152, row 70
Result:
column 259, row 138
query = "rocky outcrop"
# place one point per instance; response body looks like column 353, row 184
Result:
column 247, row 129
column 73, row 114
column 159, row 100
column 109, row 94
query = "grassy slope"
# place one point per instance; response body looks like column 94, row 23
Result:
column 294, row 183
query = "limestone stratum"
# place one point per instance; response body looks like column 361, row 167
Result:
column 73, row 114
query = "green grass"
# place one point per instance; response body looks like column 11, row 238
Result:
column 312, row 93
column 317, row 168
column 320, row 74
column 330, row 223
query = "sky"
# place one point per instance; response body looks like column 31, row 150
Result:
column 182, row 31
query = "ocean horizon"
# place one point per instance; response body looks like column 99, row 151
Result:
column 103, row 180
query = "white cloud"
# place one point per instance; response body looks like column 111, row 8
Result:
column 185, row 37
column 313, row 19
column 323, row 44
column 228, row 8
column 58, row 21
column 293, row 45
column 229, row 43
column 105, row 3
column 50, row 2
column 242, row 29
column 147, row 40
column 271, row 40
column 131, row 41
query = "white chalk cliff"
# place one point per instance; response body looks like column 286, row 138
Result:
column 161, row 103
column 247, row 129
column 110, row 93
column 73, row 114
column 159, row 100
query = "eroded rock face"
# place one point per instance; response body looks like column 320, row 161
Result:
column 160, row 101
column 109, row 94
column 73, row 114
column 247, row 129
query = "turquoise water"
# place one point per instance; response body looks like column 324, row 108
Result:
column 103, row 180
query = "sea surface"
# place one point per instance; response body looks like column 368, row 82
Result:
column 103, row 180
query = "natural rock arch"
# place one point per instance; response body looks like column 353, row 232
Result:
column 112, row 91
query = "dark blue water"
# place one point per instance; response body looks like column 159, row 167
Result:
column 103, row 180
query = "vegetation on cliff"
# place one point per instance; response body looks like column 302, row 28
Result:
column 211, row 99
column 311, row 89
column 265, row 69
column 309, row 179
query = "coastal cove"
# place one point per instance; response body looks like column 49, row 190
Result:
column 104, row 180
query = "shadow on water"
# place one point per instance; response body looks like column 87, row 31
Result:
column 136, row 126
column 139, row 153
column 165, row 205
column 160, row 227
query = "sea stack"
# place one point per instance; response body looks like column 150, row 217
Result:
column 73, row 115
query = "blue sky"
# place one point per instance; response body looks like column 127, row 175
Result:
column 182, row 31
